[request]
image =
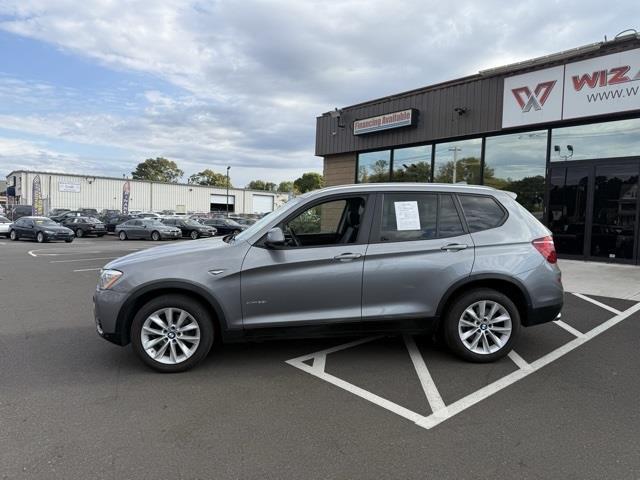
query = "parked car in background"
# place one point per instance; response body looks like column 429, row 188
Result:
column 4, row 226
column 40, row 229
column 89, row 212
column 18, row 211
column 57, row 211
column 85, row 226
column 148, row 215
column 246, row 221
column 70, row 213
column 224, row 226
column 110, row 223
column 467, row 262
column 146, row 228
column 109, row 213
column 190, row 228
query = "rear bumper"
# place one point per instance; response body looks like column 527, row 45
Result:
column 540, row 315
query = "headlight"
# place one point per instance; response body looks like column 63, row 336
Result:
column 49, row 232
column 108, row 278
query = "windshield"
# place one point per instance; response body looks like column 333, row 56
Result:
column 4, row 219
column 93, row 220
column 155, row 222
column 256, row 227
column 192, row 223
column 45, row 222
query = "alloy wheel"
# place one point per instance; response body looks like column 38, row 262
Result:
column 485, row 327
column 170, row 335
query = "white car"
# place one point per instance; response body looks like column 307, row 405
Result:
column 4, row 226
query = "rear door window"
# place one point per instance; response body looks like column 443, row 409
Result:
column 482, row 212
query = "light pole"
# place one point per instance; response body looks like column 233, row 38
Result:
column 455, row 151
column 228, row 168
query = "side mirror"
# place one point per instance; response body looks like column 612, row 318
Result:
column 275, row 238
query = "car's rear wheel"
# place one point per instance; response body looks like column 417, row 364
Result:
column 122, row 235
column 172, row 333
column 40, row 237
column 482, row 325
column 155, row 236
column 13, row 235
column 194, row 235
column 79, row 233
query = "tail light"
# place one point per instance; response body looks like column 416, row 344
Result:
column 546, row 248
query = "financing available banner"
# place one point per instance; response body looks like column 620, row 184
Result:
column 38, row 207
column 126, row 189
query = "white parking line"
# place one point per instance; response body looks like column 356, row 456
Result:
column 82, row 259
column 569, row 328
column 428, row 385
column 445, row 412
column 596, row 302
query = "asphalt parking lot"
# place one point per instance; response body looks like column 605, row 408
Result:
column 73, row 406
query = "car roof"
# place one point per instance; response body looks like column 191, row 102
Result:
column 408, row 187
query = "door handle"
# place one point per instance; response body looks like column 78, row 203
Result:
column 454, row 247
column 347, row 256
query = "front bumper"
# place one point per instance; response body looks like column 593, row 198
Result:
column 107, row 305
column 59, row 236
column 165, row 235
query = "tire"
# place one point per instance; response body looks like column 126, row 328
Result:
column 122, row 235
column 194, row 235
column 69, row 240
column 79, row 233
column 13, row 235
column 155, row 236
column 236, row 232
column 459, row 322
column 40, row 237
column 198, row 314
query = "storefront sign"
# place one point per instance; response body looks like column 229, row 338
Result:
column 597, row 86
column 534, row 97
column 126, row 189
column 69, row 187
column 402, row 118
column 602, row 85
column 38, row 207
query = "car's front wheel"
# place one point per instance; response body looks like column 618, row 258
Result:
column 194, row 235
column 122, row 235
column 13, row 235
column 172, row 333
column 79, row 233
column 481, row 325
column 40, row 237
column 155, row 236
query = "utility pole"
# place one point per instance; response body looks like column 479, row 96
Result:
column 455, row 151
column 228, row 168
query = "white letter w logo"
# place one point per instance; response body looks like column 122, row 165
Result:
column 535, row 100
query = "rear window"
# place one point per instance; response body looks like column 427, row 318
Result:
column 481, row 212
column 418, row 216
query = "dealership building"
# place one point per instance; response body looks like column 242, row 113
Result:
column 562, row 131
column 57, row 190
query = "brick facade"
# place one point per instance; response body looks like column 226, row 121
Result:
column 340, row 169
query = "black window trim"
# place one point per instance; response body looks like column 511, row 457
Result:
column 376, row 227
column 505, row 212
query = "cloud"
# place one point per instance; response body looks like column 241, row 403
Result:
column 252, row 76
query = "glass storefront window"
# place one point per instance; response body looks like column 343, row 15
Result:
column 412, row 164
column 600, row 140
column 465, row 155
column 374, row 166
column 517, row 163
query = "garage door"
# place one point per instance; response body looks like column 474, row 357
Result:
column 262, row 203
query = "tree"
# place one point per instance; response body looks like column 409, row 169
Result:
column 309, row 181
column 467, row 170
column 157, row 170
column 376, row 172
column 261, row 185
column 285, row 187
column 415, row 172
column 211, row 178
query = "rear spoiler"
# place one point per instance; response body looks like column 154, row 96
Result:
column 511, row 194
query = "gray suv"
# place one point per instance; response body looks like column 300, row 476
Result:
column 467, row 262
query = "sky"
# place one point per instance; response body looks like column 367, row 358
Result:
column 96, row 86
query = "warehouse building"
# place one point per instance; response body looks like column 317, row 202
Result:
column 561, row 131
column 57, row 190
